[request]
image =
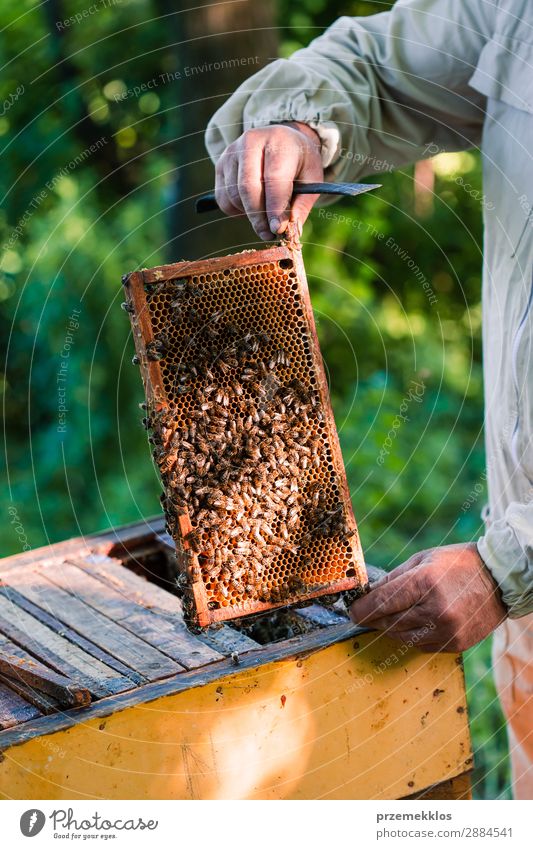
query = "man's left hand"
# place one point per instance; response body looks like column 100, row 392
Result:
column 442, row 599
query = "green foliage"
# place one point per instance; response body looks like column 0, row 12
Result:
column 85, row 218
column 491, row 778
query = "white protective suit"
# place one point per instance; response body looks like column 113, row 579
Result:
column 428, row 76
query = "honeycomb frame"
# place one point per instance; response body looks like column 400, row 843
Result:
column 264, row 291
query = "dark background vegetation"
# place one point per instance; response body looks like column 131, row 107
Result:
column 129, row 204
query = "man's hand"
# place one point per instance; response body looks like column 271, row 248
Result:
column 442, row 599
column 255, row 175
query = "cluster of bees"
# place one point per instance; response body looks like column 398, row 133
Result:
column 238, row 462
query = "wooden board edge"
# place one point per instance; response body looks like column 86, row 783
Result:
column 186, row 268
column 279, row 652
column 360, row 579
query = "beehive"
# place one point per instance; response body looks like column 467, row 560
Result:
column 255, row 492
column 172, row 715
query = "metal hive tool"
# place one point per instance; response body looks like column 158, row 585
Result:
column 255, row 492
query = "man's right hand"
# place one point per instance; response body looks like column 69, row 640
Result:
column 255, row 175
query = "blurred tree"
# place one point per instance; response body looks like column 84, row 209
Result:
column 211, row 35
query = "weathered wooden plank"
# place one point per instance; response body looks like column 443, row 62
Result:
column 13, row 709
column 67, row 659
column 132, row 586
column 89, row 622
column 63, row 630
column 221, row 638
column 46, row 705
column 143, row 607
column 19, row 664
column 228, row 640
column 111, row 571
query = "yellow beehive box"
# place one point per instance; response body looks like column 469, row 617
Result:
column 327, row 713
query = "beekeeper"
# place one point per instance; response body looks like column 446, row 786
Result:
column 378, row 92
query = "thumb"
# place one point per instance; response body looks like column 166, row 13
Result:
column 301, row 207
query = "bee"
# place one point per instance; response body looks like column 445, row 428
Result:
column 264, row 593
column 211, row 333
column 275, row 594
column 232, row 332
column 293, row 522
column 186, row 286
column 287, row 396
column 188, row 369
column 193, row 539
column 257, row 536
column 154, row 351
column 248, row 374
column 259, row 388
column 205, row 372
column 292, row 498
column 223, row 365
column 158, row 454
column 248, row 344
column 318, row 497
column 279, row 358
column 202, row 445
column 222, row 397
column 200, row 462
column 193, row 290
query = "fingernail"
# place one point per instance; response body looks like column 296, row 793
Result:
column 275, row 224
